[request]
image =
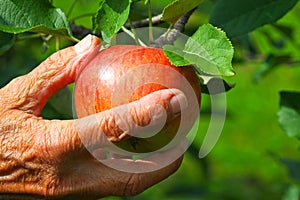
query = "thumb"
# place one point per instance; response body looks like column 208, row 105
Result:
column 32, row 91
column 145, row 115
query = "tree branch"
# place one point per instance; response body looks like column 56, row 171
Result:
column 81, row 31
column 145, row 22
column 170, row 36
column 167, row 38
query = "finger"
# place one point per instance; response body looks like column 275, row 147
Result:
column 31, row 92
column 130, row 182
column 150, row 162
column 147, row 115
column 99, row 130
column 100, row 179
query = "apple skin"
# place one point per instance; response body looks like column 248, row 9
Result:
column 96, row 87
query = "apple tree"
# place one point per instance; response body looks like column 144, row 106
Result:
column 218, row 35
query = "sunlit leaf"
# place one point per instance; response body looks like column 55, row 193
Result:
column 208, row 49
column 289, row 114
column 17, row 16
column 292, row 193
column 110, row 18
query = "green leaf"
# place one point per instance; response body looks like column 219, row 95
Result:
column 6, row 41
column 292, row 193
column 175, row 54
column 110, row 18
column 238, row 17
column 289, row 113
column 17, row 16
column 208, row 49
column 178, row 8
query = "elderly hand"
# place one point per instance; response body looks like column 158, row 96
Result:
column 47, row 157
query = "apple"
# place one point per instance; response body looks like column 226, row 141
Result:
column 125, row 73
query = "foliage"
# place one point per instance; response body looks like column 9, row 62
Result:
column 265, row 35
column 176, row 9
column 208, row 48
column 36, row 16
column 110, row 18
column 240, row 17
column 289, row 114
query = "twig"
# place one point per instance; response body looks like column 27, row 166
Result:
column 170, row 36
column 145, row 22
column 82, row 31
column 167, row 38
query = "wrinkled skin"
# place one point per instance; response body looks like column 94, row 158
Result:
column 46, row 158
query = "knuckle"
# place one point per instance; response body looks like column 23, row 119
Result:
column 134, row 185
column 56, row 59
column 140, row 114
column 113, row 126
column 144, row 114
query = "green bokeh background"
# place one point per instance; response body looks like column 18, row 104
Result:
column 244, row 162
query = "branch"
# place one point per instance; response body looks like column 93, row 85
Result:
column 167, row 38
column 145, row 22
column 81, row 31
column 170, row 36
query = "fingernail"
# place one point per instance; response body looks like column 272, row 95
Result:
column 84, row 44
column 178, row 103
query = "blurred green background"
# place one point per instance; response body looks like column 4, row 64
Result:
column 244, row 163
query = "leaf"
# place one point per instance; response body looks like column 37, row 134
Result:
column 178, row 8
column 238, row 17
column 110, row 18
column 289, row 113
column 6, row 41
column 292, row 193
column 208, row 49
column 175, row 54
column 17, row 16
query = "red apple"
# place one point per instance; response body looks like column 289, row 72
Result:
column 125, row 73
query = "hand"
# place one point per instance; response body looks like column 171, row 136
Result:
column 47, row 157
